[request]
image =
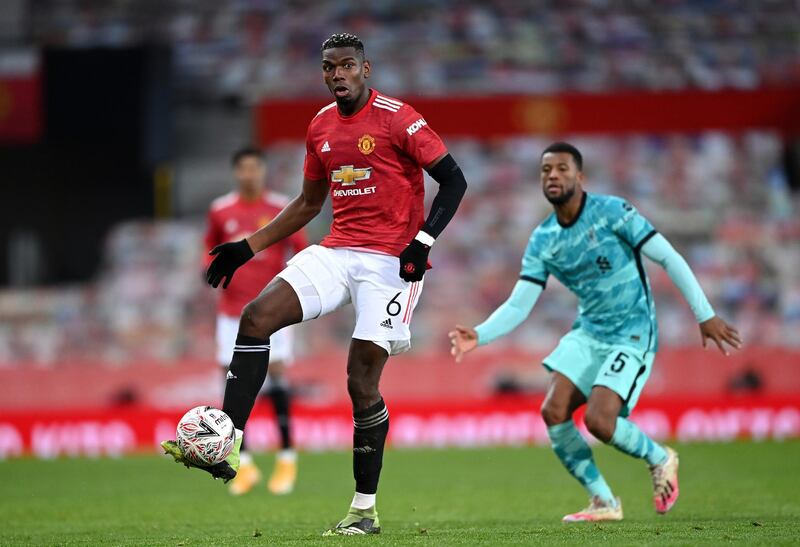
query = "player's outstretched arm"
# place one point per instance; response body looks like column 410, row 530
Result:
column 299, row 212
column 659, row 250
column 462, row 340
column 719, row 331
column 227, row 258
column 452, row 186
column 294, row 216
column 503, row 320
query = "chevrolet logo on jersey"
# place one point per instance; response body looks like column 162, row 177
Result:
column 348, row 176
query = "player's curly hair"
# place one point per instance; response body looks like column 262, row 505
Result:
column 344, row 39
column 569, row 149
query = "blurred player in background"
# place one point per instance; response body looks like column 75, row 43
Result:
column 232, row 217
column 593, row 245
column 368, row 151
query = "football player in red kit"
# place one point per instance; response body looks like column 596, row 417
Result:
column 368, row 151
column 230, row 218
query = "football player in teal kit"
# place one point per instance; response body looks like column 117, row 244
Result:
column 593, row 244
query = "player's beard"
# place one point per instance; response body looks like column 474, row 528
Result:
column 344, row 101
column 563, row 198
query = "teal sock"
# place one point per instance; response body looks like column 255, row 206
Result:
column 573, row 451
column 631, row 440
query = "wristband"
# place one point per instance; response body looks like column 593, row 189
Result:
column 425, row 238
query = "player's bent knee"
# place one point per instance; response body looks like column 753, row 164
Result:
column 600, row 425
column 251, row 322
column 554, row 413
column 256, row 320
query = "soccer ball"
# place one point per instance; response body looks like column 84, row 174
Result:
column 205, row 435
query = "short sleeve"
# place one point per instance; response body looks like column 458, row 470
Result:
column 533, row 267
column 629, row 224
column 412, row 134
column 313, row 168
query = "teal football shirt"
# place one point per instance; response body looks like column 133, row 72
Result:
column 598, row 258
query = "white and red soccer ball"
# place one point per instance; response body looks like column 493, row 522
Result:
column 205, row 435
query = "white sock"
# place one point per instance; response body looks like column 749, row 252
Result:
column 245, row 458
column 287, row 455
column 363, row 501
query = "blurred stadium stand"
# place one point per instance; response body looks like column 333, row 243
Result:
column 245, row 50
column 722, row 200
column 727, row 199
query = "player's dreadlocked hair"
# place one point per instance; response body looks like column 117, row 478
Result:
column 344, row 39
column 567, row 148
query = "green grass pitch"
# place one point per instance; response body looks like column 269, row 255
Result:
column 730, row 493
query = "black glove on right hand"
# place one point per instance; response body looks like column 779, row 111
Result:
column 229, row 257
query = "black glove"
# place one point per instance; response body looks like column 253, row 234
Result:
column 414, row 260
column 229, row 257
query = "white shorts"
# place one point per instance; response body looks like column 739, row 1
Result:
column 326, row 279
column 281, row 343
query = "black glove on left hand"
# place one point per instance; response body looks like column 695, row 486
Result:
column 229, row 257
column 414, row 260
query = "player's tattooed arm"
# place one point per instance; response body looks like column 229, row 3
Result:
column 293, row 217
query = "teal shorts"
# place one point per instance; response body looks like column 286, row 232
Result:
column 587, row 362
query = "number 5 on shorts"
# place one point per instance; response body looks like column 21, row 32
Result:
column 619, row 362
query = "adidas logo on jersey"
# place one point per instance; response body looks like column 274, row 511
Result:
column 231, row 376
column 325, row 147
column 387, row 324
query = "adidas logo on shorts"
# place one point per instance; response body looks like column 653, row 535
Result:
column 387, row 324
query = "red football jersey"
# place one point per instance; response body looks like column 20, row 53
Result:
column 231, row 218
column 373, row 162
